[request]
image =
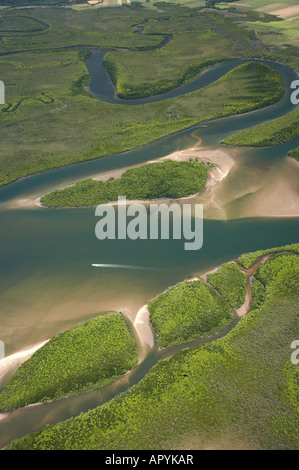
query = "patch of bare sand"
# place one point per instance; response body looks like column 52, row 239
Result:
column 12, row 362
column 228, row 440
column 212, row 271
column 143, row 329
column 279, row 197
column 245, row 308
column 251, row 191
column 285, row 12
column 222, row 160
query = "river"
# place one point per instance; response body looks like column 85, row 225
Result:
column 48, row 283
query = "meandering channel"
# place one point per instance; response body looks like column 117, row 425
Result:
column 47, row 281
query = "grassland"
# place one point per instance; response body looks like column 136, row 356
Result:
column 50, row 121
column 185, row 56
column 267, row 6
column 231, row 283
column 194, row 48
column 68, row 27
column 167, row 179
column 270, row 133
column 187, row 311
column 73, row 126
column 83, row 358
column 20, row 24
column 240, row 391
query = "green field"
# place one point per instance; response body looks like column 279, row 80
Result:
column 240, row 391
column 267, row 6
column 86, row 357
column 187, row 311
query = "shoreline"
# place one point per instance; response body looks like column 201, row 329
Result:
column 13, row 361
column 278, row 200
column 222, row 161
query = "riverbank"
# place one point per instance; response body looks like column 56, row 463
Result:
column 221, row 160
column 271, row 194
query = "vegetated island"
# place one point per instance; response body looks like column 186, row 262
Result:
column 187, row 311
column 239, row 391
column 230, row 282
column 167, row 179
column 270, row 133
column 85, row 357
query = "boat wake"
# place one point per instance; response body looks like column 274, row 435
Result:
column 127, row 266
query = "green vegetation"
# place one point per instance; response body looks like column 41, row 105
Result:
column 186, row 311
column 231, row 283
column 194, row 48
column 280, row 38
column 277, row 269
column 246, row 260
column 258, row 293
column 83, row 358
column 294, row 154
column 167, row 179
column 270, row 133
column 240, row 391
column 19, row 24
column 49, row 120
column 135, row 73
column 39, row 136
column 109, row 29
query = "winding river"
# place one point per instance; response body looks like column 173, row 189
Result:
column 48, row 282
